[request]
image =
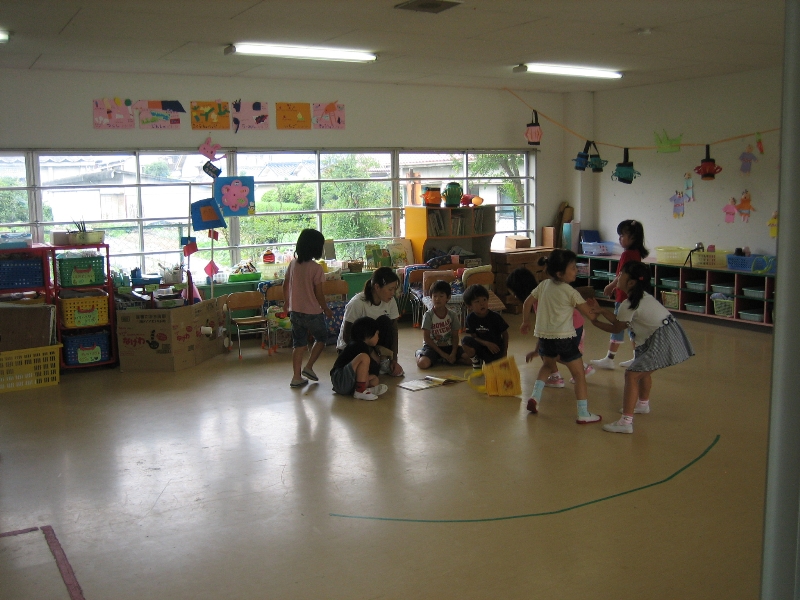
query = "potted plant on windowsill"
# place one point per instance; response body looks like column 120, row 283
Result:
column 81, row 236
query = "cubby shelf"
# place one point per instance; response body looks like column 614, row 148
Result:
column 471, row 227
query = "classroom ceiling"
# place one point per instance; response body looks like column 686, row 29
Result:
column 474, row 44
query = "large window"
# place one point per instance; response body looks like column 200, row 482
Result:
column 142, row 199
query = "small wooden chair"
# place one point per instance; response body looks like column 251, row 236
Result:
column 238, row 301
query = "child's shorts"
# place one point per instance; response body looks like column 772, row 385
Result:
column 343, row 380
column 481, row 351
column 434, row 356
column 565, row 348
column 304, row 325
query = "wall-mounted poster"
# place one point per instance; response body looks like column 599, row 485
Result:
column 159, row 114
column 211, row 114
column 250, row 115
column 112, row 113
column 328, row 116
column 235, row 195
column 293, row 115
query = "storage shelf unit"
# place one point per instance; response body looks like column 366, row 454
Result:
column 471, row 227
column 752, row 295
column 38, row 253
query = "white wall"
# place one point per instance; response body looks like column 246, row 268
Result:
column 703, row 110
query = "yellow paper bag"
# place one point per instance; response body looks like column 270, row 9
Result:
column 501, row 378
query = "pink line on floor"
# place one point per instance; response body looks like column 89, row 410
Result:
column 18, row 532
column 67, row 574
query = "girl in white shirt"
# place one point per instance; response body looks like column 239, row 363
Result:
column 659, row 340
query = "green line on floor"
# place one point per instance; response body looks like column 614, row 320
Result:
column 540, row 514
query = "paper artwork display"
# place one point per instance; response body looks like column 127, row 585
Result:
column 748, row 158
column 773, row 224
column 292, row 115
column 209, row 150
column 250, row 115
column 745, row 206
column 730, row 211
column 328, row 116
column 206, row 214
column 159, row 114
column 678, row 201
column 688, row 187
column 112, row 113
column 210, row 114
column 236, row 195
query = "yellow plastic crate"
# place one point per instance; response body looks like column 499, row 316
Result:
column 84, row 312
column 29, row 368
column 670, row 300
column 672, row 254
column 718, row 259
column 723, row 308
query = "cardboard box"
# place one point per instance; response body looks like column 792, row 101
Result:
column 549, row 236
column 169, row 339
column 23, row 327
column 518, row 241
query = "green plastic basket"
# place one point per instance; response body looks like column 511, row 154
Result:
column 244, row 277
column 84, row 270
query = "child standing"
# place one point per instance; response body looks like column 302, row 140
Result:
column 659, row 338
column 305, row 302
column 356, row 368
column 554, row 329
column 631, row 238
column 440, row 328
column 487, row 332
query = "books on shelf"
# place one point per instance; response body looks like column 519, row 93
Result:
column 478, row 221
column 457, row 225
column 429, row 381
column 436, row 223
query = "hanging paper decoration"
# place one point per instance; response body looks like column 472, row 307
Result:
column 250, row 115
column 213, row 234
column 533, row 133
column 773, row 224
column 211, row 268
column 210, row 150
column 595, row 162
column 667, row 144
column 708, row 168
column 212, row 170
column 745, row 206
column 748, row 158
column 190, row 248
column 236, row 195
column 688, row 187
column 159, row 114
column 583, row 157
column 206, row 214
column 677, row 205
column 624, row 172
column 759, row 144
column 730, row 210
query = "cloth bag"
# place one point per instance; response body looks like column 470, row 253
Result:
column 501, row 378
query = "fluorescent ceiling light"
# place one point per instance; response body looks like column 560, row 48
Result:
column 306, row 52
column 3, row 36
column 572, row 71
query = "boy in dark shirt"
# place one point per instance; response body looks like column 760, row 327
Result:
column 487, row 332
column 356, row 368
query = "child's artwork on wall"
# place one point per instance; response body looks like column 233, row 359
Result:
column 773, row 224
column 250, row 115
column 235, row 195
column 293, row 115
column 730, row 210
column 745, row 206
column 688, row 187
column 328, row 116
column 112, row 113
column 677, row 204
column 159, row 114
column 210, row 114
column 748, row 158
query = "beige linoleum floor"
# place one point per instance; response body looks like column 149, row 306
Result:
column 221, row 482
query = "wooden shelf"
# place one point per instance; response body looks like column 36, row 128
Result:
column 471, row 227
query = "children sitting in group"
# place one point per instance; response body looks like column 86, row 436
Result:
column 487, row 332
column 440, row 327
column 357, row 367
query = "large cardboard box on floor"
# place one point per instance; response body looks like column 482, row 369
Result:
column 169, row 339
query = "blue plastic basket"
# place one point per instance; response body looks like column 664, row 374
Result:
column 21, row 273
column 86, row 348
column 760, row 264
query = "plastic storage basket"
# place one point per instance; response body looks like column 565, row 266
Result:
column 85, row 270
column 722, row 288
column 598, row 248
column 29, row 368
column 126, row 302
column 757, row 263
column 672, row 254
column 718, row 259
column 758, row 293
column 670, row 299
column 86, row 348
column 21, row 273
column 673, row 284
column 698, row 285
column 583, row 269
column 600, row 274
column 696, row 307
column 234, row 277
column 84, row 312
column 751, row 315
column 723, row 308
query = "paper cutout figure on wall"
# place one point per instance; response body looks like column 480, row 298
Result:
column 206, row 214
column 112, row 113
column 730, row 211
column 210, row 150
column 328, row 116
column 745, row 206
column 667, row 144
column 773, row 224
column 159, row 114
column 293, row 115
column 677, row 204
column 250, row 115
column 210, row 114
column 759, row 144
column 748, row 158
column 688, row 187
column 236, row 195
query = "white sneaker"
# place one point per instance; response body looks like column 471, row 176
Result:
column 590, row 418
column 618, row 427
column 604, row 363
column 640, row 409
column 626, row 363
column 365, row 395
column 379, row 389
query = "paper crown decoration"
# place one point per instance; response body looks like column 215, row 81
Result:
column 534, row 132
column 708, row 167
column 667, row 144
column 624, row 172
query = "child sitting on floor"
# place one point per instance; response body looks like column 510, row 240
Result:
column 440, row 328
column 356, row 368
column 487, row 332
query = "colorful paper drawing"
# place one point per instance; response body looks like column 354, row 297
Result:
column 677, row 205
column 292, row 115
column 773, row 225
column 748, row 158
column 206, row 214
column 159, row 114
column 328, row 116
column 112, row 113
column 688, row 186
column 235, row 196
column 745, row 206
column 730, row 210
column 250, row 115
column 210, row 114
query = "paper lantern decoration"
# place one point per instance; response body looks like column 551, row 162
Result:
column 595, row 162
column 206, row 214
column 624, row 172
column 534, row 132
column 708, row 167
column 583, row 157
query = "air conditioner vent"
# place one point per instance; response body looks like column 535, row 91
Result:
column 428, row 6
